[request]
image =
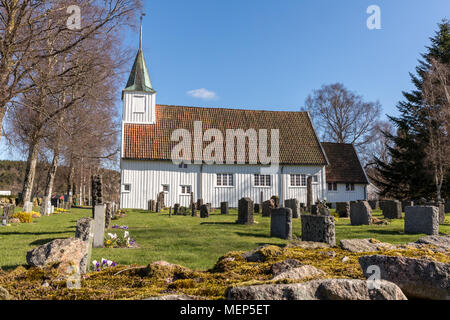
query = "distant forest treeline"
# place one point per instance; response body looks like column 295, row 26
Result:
column 12, row 174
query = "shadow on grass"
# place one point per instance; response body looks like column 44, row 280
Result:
column 223, row 223
column 40, row 242
column 12, row 267
column 387, row 232
column 33, row 233
column 255, row 235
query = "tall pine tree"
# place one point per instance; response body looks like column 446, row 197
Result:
column 407, row 174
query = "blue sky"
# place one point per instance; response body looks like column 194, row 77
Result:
column 269, row 54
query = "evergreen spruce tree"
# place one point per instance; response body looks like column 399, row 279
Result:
column 407, row 175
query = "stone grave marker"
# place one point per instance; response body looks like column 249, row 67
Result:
column 204, row 211
column 267, row 206
column 422, row 219
column 294, row 205
column 176, row 209
column 392, row 209
column 318, row 229
column 374, row 205
column 407, row 203
column 314, row 210
column 85, row 232
column 309, row 194
column 276, row 201
column 224, row 208
column 245, row 211
column 96, row 191
column 257, row 208
column 343, row 209
column 281, row 223
column 99, row 225
column 108, row 215
column 360, row 213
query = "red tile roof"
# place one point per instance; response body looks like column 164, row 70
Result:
column 344, row 164
column 298, row 140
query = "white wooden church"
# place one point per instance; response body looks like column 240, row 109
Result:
column 147, row 167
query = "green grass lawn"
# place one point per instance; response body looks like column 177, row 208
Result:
column 192, row 242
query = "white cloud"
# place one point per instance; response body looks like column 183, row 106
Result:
column 203, row 94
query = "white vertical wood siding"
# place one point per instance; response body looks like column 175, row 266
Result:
column 128, row 114
column 294, row 192
column 341, row 195
column 147, row 178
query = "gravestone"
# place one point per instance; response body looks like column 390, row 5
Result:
column 85, row 232
column 108, row 214
column 97, row 192
column 309, row 195
column 224, row 207
column 314, row 210
column 160, row 205
column 267, row 207
column 318, row 229
column 392, row 209
column 360, row 213
column 199, row 203
column 294, row 205
column 176, row 209
column 323, row 209
column 204, row 211
column 99, row 225
column 152, row 205
column 257, row 208
column 281, row 223
column 303, row 208
column 8, row 211
column 447, row 206
column 343, row 209
column 422, row 219
column 245, row 211
column 276, row 201
column 407, row 203
column 441, row 207
column 374, row 204
column 28, row 206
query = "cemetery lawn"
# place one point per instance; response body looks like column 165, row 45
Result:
column 192, row 242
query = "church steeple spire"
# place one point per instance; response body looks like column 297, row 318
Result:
column 139, row 79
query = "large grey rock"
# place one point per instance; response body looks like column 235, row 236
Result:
column 172, row 297
column 285, row 265
column 343, row 209
column 422, row 219
column 360, row 213
column 442, row 242
column 418, row 278
column 294, row 205
column 63, row 252
column 281, row 223
column 85, row 232
column 300, row 273
column 245, row 211
column 328, row 289
column 392, row 209
column 365, row 245
column 4, row 294
column 318, row 229
column 84, row 229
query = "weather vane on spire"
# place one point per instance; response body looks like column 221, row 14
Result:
column 140, row 39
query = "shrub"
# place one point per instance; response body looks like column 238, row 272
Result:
column 24, row 217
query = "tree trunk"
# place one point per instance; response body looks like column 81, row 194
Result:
column 30, row 171
column 2, row 115
column 50, row 181
column 70, row 183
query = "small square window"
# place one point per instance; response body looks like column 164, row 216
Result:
column 127, row 187
column 165, row 187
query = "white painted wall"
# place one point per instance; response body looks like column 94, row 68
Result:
column 130, row 107
column 146, row 179
column 342, row 195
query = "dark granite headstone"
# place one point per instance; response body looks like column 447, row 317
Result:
column 281, row 223
column 245, row 211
